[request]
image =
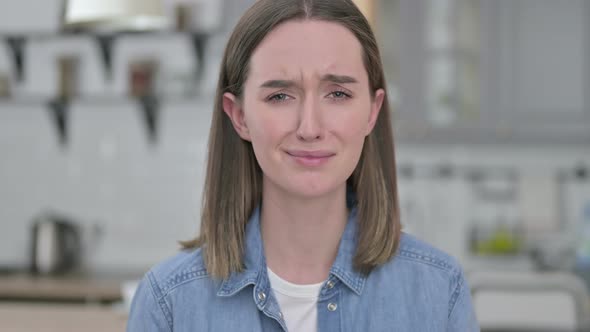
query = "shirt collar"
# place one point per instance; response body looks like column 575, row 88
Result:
column 343, row 267
column 255, row 263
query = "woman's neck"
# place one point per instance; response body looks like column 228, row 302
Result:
column 301, row 235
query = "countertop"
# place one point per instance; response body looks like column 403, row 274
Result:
column 74, row 302
column 25, row 317
column 68, row 288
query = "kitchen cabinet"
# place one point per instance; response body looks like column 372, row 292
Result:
column 537, row 68
column 505, row 71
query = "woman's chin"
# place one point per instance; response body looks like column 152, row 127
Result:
column 305, row 186
column 313, row 189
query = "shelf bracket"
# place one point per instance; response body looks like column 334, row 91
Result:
column 150, row 108
column 199, row 43
column 105, row 43
column 59, row 108
column 16, row 44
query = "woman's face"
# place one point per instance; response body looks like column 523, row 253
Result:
column 306, row 106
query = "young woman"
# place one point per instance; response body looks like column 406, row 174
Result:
column 300, row 228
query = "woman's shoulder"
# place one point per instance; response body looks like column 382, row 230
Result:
column 418, row 263
column 429, row 281
column 181, row 278
column 183, row 267
column 423, row 255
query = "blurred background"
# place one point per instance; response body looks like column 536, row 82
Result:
column 104, row 119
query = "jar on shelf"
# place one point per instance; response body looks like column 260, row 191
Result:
column 68, row 76
column 142, row 75
column 4, row 85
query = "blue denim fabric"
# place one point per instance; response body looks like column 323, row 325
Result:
column 420, row 289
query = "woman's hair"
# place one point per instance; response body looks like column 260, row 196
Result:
column 233, row 184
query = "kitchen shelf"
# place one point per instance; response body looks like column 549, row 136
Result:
column 111, row 52
column 105, row 42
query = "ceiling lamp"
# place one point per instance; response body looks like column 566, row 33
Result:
column 115, row 15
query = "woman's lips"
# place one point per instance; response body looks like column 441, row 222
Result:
column 310, row 158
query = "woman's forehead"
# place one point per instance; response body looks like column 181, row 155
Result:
column 307, row 48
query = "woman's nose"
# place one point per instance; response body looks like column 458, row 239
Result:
column 310, row 127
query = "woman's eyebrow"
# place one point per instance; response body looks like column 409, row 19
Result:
column 340, row 79
column 333, row 78
column 282, row 84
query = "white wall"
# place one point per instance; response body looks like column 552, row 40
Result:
column 144, row 197
column 147, row 197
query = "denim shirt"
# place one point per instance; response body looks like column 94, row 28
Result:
column 419, row 289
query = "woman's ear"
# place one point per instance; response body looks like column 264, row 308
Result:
column 376, row 104
column 234, row 110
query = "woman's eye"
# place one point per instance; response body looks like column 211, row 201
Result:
column 340, row 95
column 279, row 97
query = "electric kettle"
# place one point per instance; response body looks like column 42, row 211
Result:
column 55, row 244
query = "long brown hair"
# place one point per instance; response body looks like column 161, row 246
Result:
column 233, row 184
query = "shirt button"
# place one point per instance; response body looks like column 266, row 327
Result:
column 280, row 315
column 261, row 296
column 332, row 306
column 330, row 284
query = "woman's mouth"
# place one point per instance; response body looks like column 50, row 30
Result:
column 310, row 158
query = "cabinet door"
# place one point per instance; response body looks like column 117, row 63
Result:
column 432, row 61
column 497, row 71
column 538, row 68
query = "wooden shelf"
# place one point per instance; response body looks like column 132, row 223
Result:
column 105, row 41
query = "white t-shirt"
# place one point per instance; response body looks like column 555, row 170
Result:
column 298, row 303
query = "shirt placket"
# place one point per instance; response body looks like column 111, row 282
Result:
column 329, row 306
column 268, row 305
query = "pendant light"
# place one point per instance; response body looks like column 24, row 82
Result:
column 115, row 15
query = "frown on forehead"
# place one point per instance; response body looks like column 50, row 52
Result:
column 307, row 49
